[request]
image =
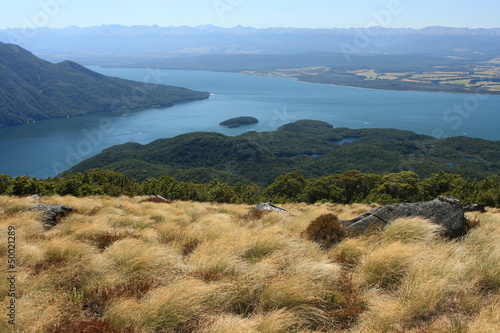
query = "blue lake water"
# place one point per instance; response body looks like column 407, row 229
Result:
column 45, row 148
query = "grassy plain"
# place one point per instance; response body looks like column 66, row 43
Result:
column 482, row 77
column 122, row 265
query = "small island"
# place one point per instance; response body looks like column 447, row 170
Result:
column 239, row 121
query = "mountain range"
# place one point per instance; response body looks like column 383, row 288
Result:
column 33, row 89
column 117, row 41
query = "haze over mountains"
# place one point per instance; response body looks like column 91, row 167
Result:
column 117, row 41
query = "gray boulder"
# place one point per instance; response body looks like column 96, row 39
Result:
column 51, row 214
column 156, row 198
column 444, row 211
column 477, row 207
column 267, row 206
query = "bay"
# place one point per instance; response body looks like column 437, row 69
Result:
column 45, row 148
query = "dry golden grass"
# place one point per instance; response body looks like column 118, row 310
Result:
column 122, row 265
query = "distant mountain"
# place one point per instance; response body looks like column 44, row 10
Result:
column 108, row 41
column 315, row 148
column 33, row 89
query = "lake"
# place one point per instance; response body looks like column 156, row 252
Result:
column 45, row 148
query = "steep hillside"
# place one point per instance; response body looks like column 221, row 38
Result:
column 126, row 265
column 32, row 89
column 312, row 147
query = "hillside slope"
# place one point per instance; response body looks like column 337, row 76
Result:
column 125, row 265
column 315, row 148
column 33, row 89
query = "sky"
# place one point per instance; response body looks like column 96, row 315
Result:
column 252, row 13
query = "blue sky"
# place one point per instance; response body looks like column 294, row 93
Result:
column 253, row 13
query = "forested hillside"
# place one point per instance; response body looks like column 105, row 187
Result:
column 32, row 89
column 312, row 147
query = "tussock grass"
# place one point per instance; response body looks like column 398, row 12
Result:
column 488, row 320
column 412, row 230
column 228, row 324
column 351, row 251
column 386, row 266
column 164, row 308
column 122, row 265
column 134, row 255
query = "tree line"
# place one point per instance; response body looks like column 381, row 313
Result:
column 346, row 188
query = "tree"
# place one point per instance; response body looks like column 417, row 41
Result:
column 351, row 186
column 22, row 185
column 70, row 186
column 489, row 191
column 321, row 189
column 220, row 192
column 5, row 182
column 287, row 187
column 439, row 184
column 164, row 186
column 397, row 187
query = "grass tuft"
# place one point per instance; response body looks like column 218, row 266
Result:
column 162, row 309
column 412, row 230
column 386, row 266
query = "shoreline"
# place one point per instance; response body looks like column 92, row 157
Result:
column 379, row 89
column 299, row 80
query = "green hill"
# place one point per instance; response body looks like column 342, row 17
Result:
column 315, row 148
column 33, row 89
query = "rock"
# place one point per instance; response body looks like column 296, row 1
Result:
column 52, row 214
column 475, row 208
column 444, row 211
column 35, row 196
column 267, row 206
column 156, row 198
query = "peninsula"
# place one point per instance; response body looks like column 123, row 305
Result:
column 33, row 89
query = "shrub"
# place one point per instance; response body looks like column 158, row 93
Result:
column 325, row 230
